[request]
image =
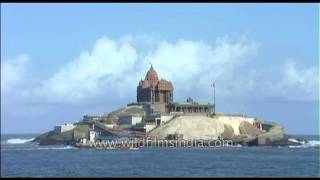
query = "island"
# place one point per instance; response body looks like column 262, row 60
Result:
column 156, row 115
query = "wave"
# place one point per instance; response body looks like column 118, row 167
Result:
column 305, row 144
column 19, row 140
column 55, row 148
column 296, row 141
column 236, row 146
column 42, row 148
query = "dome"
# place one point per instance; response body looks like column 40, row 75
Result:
column 152, row 74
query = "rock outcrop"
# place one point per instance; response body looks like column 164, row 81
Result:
column 238, row 128
column 205, row 127
column 67, row 138
column 273, row 135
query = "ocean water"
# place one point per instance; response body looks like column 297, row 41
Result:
column 20, row 158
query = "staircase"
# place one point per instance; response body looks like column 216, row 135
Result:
column 107, row 130
column 173, row 117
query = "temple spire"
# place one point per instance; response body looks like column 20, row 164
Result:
column 152, row 74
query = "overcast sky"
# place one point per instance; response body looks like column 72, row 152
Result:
column 61, row 61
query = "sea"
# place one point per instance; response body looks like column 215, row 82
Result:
column 21, row 158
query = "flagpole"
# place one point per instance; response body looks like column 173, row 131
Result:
column 214, row 98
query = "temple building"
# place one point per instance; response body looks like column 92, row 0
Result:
column 157, row 97
column 153, row 90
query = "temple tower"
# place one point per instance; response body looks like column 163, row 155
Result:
column 153, row 90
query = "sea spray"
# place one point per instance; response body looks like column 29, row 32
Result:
column 19, row 140
column 36, row 148
column 304, row 144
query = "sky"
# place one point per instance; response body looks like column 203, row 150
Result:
column 62, row 61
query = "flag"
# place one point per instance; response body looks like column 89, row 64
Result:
column 212, row 85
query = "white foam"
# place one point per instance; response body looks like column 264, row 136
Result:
column 238, row 145
column 308, row 144
column 313, row 143
column 19, row 140
column 56, row 148
column 44, row 148
column 293, row 140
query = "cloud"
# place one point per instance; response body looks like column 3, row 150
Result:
column 112, row 69
column 301, row 82
column 103, row 70
column 193, row 65
column 288, row 81
column 13, row 73
column 109, row 73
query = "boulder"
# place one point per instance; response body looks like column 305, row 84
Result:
column 275, row 134
column 248, row 129
column 228, row 132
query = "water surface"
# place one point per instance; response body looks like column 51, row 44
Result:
column 20, row 158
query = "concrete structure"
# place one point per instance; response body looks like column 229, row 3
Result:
column 129, row 120
column 166, row 118
column 190, row 107
column 94, row 118
column 149, row 122
column 63, row 128
column 149, row 126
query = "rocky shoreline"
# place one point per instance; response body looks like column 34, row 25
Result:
column 156, row 115
column 240, row 129
column 270, row 138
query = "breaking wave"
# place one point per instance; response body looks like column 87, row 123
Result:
column 296, row 141
column 42, row 148
column 305, row 144
column 19, row 141
column 56, row 148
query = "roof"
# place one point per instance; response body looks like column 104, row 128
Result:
column 152, row 75
column 152, row 81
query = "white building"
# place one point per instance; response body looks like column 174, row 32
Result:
column 63, row 128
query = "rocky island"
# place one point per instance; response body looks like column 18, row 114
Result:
column 156, row 115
